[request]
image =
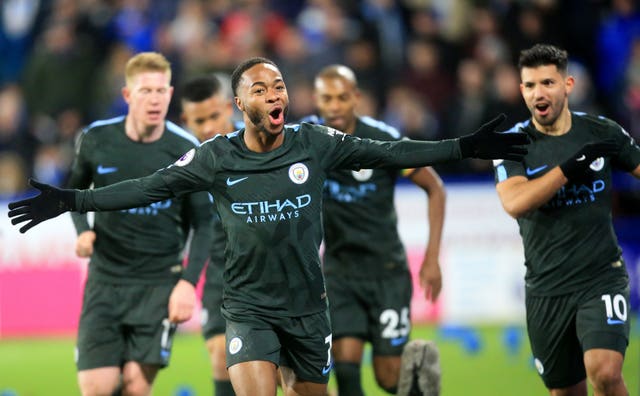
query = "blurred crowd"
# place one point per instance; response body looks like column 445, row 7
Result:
column 433, row 69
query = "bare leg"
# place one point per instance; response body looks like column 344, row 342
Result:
column 102, row 381
column 255, row 378
column 604, row 370
column 294, row 387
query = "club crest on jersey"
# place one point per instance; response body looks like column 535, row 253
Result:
column 298, row 173
column 539, row 366
column 235, row 345
column 204, row 316
column 186, row 157
column 362, row 174
column 597, row 165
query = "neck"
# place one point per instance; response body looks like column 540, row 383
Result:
column 142, row 133
column 261, row 141
column 561, row 126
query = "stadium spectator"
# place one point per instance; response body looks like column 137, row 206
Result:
column 207, row 111
column 136, row 291
column 577, row 286
column 267, row 181
column 365, row 265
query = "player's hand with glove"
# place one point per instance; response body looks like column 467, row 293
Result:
column 578, row 164
column 51, row 202
column 486, row 143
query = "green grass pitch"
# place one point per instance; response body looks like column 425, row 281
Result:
column 44, row 367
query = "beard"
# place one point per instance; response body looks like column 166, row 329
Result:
column 260, row 119
column 555, row 110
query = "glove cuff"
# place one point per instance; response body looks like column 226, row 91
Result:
column 569, row 168
column 467, row 146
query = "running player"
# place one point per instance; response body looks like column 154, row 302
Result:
column 267, row 181
column 132, row 302
column 577, row 287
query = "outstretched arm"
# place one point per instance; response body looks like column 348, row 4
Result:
column 53, row 201
column 486, row 143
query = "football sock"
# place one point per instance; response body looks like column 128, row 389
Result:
column 348, row 378
column 223, row 388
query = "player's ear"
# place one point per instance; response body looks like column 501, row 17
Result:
column 126, row 93
column 238, row 102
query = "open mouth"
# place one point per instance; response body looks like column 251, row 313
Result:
column 276, row 116
column 542, row 108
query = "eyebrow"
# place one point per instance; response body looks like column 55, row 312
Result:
column 276, row 81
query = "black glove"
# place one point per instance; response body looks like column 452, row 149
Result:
column 48, row 204
column 578, row 164
column 486, row 143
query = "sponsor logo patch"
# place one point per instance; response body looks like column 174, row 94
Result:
column 186, row 157
column 362, row 174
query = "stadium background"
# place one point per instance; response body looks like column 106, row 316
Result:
column 434, row 69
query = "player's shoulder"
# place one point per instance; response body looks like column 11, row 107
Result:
column 100, row 126
column 309, row 130
column 369, row 127
column 598, row 122
column 180, row 135
column 521, row 126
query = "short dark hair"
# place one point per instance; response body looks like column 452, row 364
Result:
column 544, row 54
column 243, row 67
column 200, row 88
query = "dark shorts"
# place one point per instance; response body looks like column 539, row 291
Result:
column 302, row 343
column 211, row 319
column 562, row 328
column 121, row 323
column 374, row 310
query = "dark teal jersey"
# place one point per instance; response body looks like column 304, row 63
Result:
column 570, row 242
column 143, row 244
column 270, row 205
column 360, row 221
column 215, row 266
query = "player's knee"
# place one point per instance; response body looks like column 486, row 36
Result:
column 135, row 386
column 605, row 377
column 94, row 389
column 91, row 387
column 387, row 372
column 388, row 383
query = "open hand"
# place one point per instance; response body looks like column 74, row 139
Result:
column 51, row 202
column 486, row 143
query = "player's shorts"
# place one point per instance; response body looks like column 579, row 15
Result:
column 374, row 310
column 122, row 323
column 561, row 328
column 211, row 319
column 302, row 343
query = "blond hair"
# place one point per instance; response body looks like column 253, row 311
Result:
column 146, row 62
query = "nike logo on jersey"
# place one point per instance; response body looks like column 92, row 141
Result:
column 231, row 182
column 103, row 170
column 398, row 341
column 326, row 370
column 582, row 158
column 614, row 321
column 531, row 172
